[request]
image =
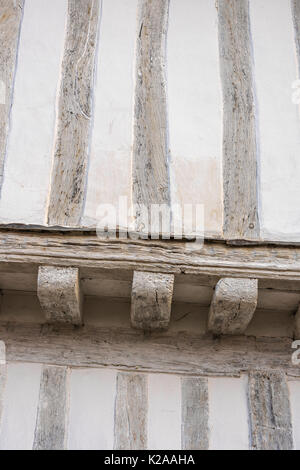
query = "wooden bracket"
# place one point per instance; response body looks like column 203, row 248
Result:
column 233, row 305
column 60, row 295
column 151, row 300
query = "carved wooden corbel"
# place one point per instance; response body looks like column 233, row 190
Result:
column 60, row 294
column 151, row 300
column 233, row 305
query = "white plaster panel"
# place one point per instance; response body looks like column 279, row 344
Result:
column 294, row 387
column 164, row 412
column 91, row 416
column 278, row 118
column 228, row 413
column 109, row 174
column 30, row 144
column 195, row 108
column 20, row 406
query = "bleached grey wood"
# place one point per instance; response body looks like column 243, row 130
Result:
column 151, row 299
column 69, row 170
column 233, row 305
column 26, row 251
column 270, row 415
column 129, row 349
column 239, row 135
column 195, row 413
column 131, row 407
column 10, row 23
column 59, row 293
column 295, row 6
column 51, row 423
column 150, row 150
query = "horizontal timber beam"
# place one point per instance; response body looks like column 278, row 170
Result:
column 130, row 349
column 28, row 250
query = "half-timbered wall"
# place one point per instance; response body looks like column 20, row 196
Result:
column 51, row 407
column 79, row 128
column 133, row 344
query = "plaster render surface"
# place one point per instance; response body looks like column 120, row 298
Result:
column 20, row 406
column 195, row 108
column 91, row 418
column 30, row 143
column 228, row 413
column 278, row 126
column 294, row 388
column 164, row 412
column 109, row 174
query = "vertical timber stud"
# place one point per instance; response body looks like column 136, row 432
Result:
column 233, row 305
column 51, row 423
column 10, row 20
column 150, row 175
column 270, row 415
column 69, row 172
column 131, row 412
column 295, row 5
column 60, row 295
column 151, row 300
column 239, row 135
column 195, row 413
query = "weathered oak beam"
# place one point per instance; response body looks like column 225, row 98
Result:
column 69, row 171
column 151, row 300
column 195, row 413
column 239, row 134
column 269, row 408
column 51, row 424
column 295, row 6
column 150, row 150
column 129, row 349
column 10, row 18
column 60, row 294
column 130, row 431
column 233, row 305
column 28, row 250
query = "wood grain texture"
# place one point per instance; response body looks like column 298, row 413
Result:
column 233, row 305
column 129, row 349
column 11, row 13
column 60, row 294
column 295, row 6
column 270, row 415
column 131, row 412
column 69, row 170
column 150, row 178
column 26, row 251
column 50, row 431
column 239, row 135
column 151, row 300
column 195, row 413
